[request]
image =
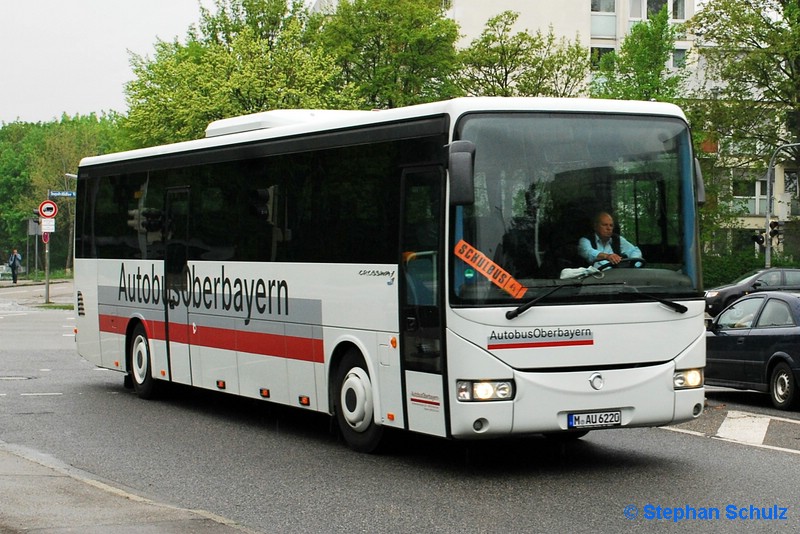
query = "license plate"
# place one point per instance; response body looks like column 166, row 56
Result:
column 594, row 419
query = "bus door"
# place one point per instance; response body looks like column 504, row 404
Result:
column 421, row 324
column 176, row 284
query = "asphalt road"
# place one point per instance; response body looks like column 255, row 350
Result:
column 276, row 469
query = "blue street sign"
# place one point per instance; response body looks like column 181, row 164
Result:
column 62, row 193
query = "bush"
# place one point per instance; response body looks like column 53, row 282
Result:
column 721, row 270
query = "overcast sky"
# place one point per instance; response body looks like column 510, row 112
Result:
column 71, row 56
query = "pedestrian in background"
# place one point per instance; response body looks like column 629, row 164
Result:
column 14, row 262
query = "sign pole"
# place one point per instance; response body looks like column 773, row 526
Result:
column 47, row 272
column 770, row 180
column 48, row 210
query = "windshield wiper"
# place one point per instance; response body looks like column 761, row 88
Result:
column 513, row 314
column 680, row 308
column 522, row 308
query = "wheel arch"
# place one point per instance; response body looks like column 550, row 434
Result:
column 774, row 360
column 343, row 347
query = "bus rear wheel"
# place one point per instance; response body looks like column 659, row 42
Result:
column 354, row 406
column 140, row 363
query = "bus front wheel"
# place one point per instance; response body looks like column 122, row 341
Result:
column 354, row 406
column 140, row 364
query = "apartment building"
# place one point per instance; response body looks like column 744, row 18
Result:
column 599, row 24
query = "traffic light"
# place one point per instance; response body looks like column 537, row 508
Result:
column 776, row 229
column 758, row 238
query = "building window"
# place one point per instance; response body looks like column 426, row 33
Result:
column 636, row 9
column 597, row 53
column 654, row 6
column 752, row 194
column 678, row 58
column 604, row 6
column 643, row 9
column 678, row 10
column 790, row 187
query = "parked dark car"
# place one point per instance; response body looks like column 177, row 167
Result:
column 761, row 280
column 755, row 344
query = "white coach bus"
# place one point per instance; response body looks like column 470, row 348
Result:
column 413, row 268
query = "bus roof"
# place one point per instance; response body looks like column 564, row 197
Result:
column 275, row 124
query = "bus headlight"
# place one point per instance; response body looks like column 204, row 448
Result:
column 688, row 379
column 484, row 390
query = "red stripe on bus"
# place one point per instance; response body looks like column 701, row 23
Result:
column 108, row 323
column 424, row 401
column 542, row 344
column 289, row 347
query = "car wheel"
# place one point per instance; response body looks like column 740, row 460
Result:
column 782, row 387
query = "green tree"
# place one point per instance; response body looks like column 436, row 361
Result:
column 394, row 52
column 751, row 50
column 560, row 68
column 248, row 56
column 503, row 63
column 34, row 160
column 640, row 70
column 18, row 143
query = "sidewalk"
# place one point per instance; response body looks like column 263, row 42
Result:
column 31, row 294
column 41, row 494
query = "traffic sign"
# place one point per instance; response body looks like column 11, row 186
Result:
column 62, row 193
column 48, row 209
column 47, row 225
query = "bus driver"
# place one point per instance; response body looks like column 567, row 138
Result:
column 604, row 248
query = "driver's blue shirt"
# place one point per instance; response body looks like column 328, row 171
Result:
column 587, row 251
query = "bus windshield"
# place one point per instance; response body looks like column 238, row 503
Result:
column 541, row 180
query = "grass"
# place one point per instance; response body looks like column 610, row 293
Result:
column 53, row 306
column 55, row 274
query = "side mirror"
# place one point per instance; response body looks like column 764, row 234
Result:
column 461, row 170
column 700, row 185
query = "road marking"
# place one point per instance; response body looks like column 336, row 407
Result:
column 739, row 427
column 761, row 446
column 40, row 394
column 744, row 427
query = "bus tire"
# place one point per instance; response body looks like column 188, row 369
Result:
column 354, row 406
column 140, row 368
